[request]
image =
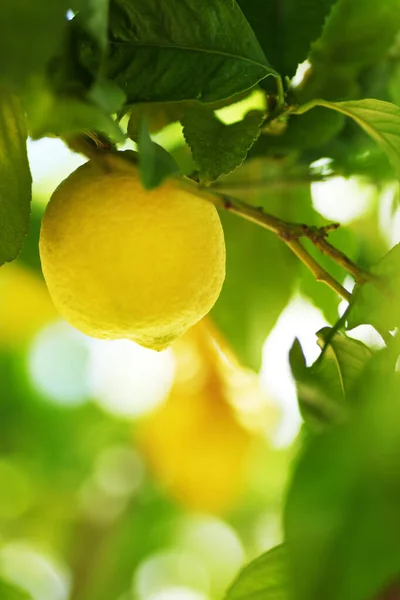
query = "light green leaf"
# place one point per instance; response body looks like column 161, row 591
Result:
column 63, row 115
column 263, row 579
column 324, row 390
column 15, row 178
column 155, row 163
column 181, row 50
column 218, row 149
column 378, row 302
column 356, row 35
column 342, row 512
column 10, row 592
column 379, row 119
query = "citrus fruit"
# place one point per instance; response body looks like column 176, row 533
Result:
column 124, row 262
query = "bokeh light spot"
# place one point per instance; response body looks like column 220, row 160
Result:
column 58, row 363
column 128, row 380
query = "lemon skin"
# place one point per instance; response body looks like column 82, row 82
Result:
column 124, row 262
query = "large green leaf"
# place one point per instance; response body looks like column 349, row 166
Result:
column 379, row 119
column 286, row 28
column 217, row 148
column 355, row 36
column 15, row 178
column 342, row 512
column 378, row 301
column 263, row 579
column 30, row 31
column 180, row 50
column 325, row 389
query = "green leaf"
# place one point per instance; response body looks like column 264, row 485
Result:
column 342, row 511
column 15, row 178
column 379, row 119
column 264, row 578
column 218, row 149
column 378, row 302
column 9, row 591
column 155, row 163
column 286, row 29
column 63, row 115
column 260, row 276
column 179, row 50
column 356, row 35
column 324, row 390
column 93, row 15
column 30, row 32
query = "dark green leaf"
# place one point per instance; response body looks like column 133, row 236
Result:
column 155, row 163
column 378, row 302
column 217, row 148
column 286, row 28
column 179, row 50
column 342, row 513
column 10, row 592
column 263, row 579
column 379, row 119
column 15, row 178
column 30, row 31
column 324, row 390
column 356, row 35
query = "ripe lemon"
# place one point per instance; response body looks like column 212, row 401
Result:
column 124, row 262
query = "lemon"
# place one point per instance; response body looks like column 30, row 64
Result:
column 124, row 262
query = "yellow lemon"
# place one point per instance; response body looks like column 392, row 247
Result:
column 124, row 262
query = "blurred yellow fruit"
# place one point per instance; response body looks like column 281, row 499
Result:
column 194, row 443
column 25, row 305
column 124, row 262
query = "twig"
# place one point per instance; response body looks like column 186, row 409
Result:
column 319, row 273
column 288, row 232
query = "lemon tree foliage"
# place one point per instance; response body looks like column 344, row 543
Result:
column 325, row 389
column 354, row 38
column 379, row 119
column 276, row 25
column 156, row 48
column 341, row 512
column 15, row 177
column 155, row 163
column 377, row 301
column 217, row 148
column 132, row 249
column 263, row 579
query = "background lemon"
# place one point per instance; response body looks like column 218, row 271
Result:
column 124, row 262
